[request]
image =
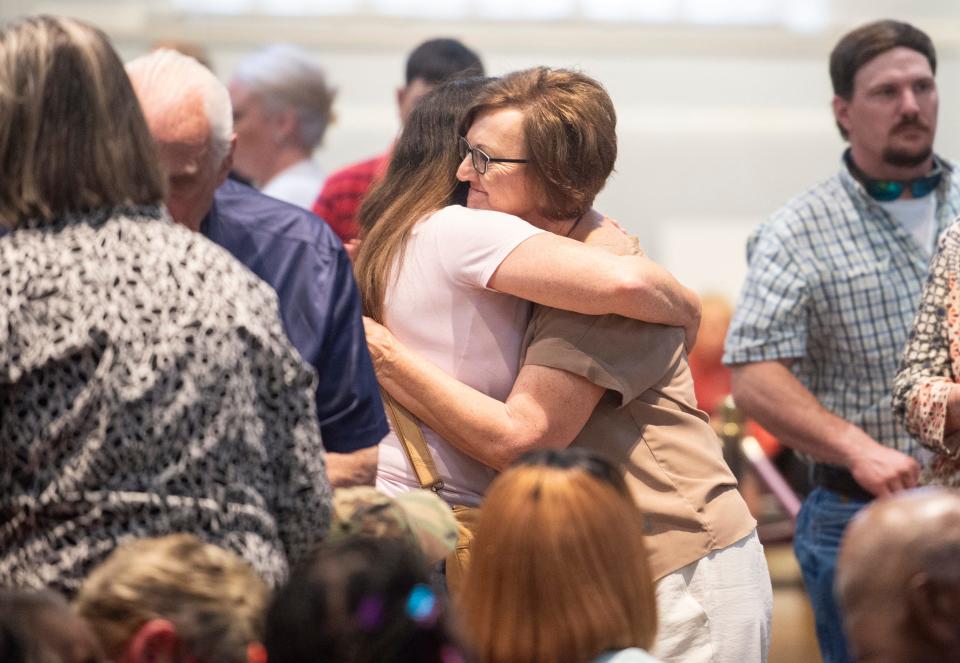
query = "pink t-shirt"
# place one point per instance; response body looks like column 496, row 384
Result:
column 439, row 305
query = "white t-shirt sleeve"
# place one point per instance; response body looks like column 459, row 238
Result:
column 472, row 243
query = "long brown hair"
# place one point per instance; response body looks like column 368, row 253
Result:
column 72, row 136
column 421, row 179
column 558, row 570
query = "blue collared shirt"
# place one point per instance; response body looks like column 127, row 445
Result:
column 834, row 283
column 303, row 261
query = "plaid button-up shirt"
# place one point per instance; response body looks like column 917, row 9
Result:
column 834, row 283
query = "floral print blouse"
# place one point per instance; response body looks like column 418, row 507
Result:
column 930, row 366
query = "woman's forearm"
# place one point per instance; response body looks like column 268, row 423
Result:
column 664, row 300
column 565, row 274
column 547, row 407
column 473, row 422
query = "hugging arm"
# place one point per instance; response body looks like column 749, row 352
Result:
column 547, row 407
column 565, row 274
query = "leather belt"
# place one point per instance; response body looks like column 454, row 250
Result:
column 839, row 480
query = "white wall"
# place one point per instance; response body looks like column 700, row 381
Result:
column 718, row 126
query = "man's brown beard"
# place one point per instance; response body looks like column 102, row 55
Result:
column 906, row 159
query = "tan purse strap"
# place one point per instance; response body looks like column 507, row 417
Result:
column 408, row 430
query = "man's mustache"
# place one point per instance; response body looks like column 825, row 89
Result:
column 910, row 123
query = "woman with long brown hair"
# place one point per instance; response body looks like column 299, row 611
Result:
column 559, row 569
column 452, row 282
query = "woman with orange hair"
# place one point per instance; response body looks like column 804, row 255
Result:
column 559, row 569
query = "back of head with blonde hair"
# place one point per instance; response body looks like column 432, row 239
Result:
column 559, row 570
column 72, row 137
column 287, row 77
column 214, row 599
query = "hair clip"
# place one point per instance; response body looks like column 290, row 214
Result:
column 369, row 613
column 422, row 606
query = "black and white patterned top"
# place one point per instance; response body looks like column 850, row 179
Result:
column 147, row 387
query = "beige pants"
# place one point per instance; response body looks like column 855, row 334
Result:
column 717, row 609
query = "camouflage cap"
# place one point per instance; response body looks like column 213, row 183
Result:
column 419, row 517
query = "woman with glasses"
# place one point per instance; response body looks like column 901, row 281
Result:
column 451, row 282
column 608, row 383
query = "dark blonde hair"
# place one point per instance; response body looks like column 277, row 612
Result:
column 570, row 134
column 72, row 136
column 558, row 570
column 214, row 599
column 420, row 179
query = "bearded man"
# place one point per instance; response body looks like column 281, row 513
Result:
column 834, row 280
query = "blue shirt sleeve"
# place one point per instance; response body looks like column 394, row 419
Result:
column 348, row 398
column 305, row 263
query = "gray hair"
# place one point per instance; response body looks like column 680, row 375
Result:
column 165, row 78
column 286, row 77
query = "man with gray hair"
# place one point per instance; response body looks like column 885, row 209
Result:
column 281, row 108
column 189, row 114
column 898, row 578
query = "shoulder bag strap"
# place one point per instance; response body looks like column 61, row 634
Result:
column 414, row 443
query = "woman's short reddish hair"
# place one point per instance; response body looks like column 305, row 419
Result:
column 570, row 133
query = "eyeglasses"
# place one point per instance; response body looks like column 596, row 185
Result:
column 479, row 158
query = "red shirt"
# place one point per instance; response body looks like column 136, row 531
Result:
column 343, row 192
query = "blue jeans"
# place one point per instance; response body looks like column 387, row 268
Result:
column 823, row 518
